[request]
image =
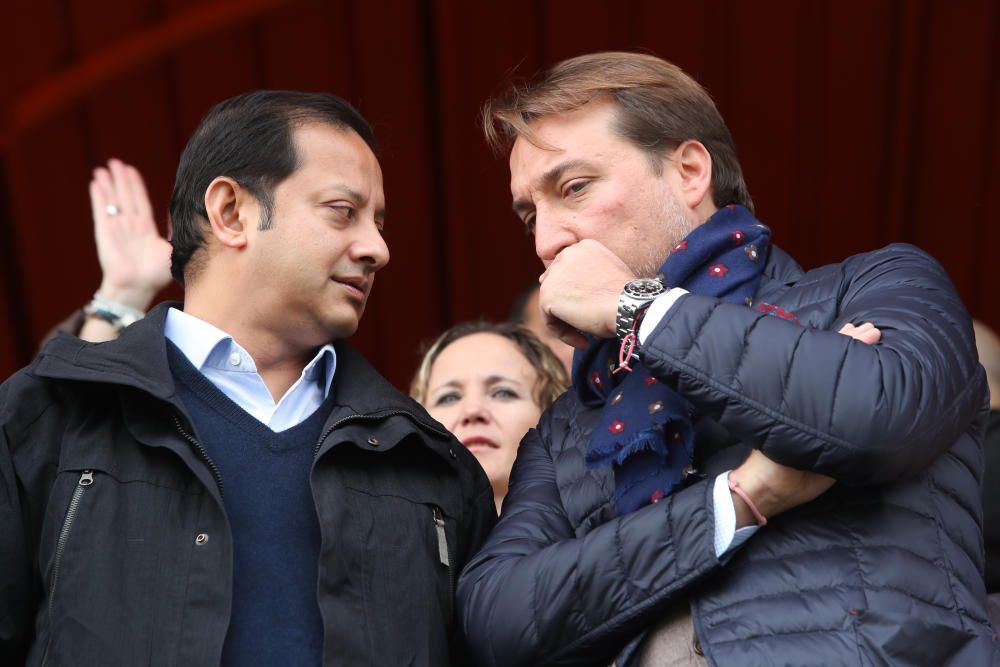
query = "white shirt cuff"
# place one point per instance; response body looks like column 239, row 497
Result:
column 727, row 538
column 657, row 310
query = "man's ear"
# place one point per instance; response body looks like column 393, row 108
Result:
column 228, row 207
column 693, row 165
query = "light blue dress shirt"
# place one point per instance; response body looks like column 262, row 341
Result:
column 232, row 370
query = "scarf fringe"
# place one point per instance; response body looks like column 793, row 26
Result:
column 650, row 440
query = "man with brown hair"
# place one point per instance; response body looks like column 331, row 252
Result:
column 726, row 465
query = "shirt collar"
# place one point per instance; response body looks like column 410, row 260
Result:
column 321, row 369
column 196, row 338
column 205, row 345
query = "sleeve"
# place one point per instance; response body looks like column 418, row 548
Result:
column 727, row 537
column 71, row 325
column 537, row 594
column 818, row 400
column 478, row 520
column 17, row 604
column 657, row 310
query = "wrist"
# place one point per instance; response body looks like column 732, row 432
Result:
column 97, row 330
column 633, row 300
column 114, row 313
column 747, row 512
column 744, row 517
column 755, row 495
column 131, row 296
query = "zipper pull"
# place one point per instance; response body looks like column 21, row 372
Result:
column 442, row 537
column 87, row 478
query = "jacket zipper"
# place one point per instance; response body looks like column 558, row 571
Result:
column 86, row 479
column 442, row 537
column 201, row 451
column 376, row 416
column 444, row 551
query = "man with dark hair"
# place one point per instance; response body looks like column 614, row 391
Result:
column 228, row 482
column 730, row 481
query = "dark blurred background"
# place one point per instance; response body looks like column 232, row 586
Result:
column 859, row 123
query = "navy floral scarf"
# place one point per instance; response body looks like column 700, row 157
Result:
column 644, row 430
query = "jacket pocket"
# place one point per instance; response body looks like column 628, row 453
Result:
column 404, row 551
column 114, row 558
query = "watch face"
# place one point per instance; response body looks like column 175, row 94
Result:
column 644, row 288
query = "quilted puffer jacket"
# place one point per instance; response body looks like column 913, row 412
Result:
column 883, row 569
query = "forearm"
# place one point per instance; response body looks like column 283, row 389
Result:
column 537, row 594
column 813, row 399
column 112, row 309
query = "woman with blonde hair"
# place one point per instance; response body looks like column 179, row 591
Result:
column 488, row 384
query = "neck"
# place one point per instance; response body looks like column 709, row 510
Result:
column 705, row 210
column 279, row 360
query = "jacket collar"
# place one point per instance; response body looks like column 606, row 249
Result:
column 138, row 358
column 361, row 389
column 781, row 268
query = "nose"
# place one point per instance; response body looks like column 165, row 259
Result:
column 473, row 412
column 551, row 237
column 370, row 248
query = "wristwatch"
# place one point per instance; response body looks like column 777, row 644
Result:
column 633, row 302
column 118, row 315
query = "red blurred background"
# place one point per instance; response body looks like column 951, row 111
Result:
column 859, row 123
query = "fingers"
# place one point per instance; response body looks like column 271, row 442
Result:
column 567, row 334
column 867, row 333
column 101, row 194
column 137, row 194
column 574, row 338
column 871, row 335
column 121, row 185
column 123, row 197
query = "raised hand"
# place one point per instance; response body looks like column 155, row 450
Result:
column 134, row 258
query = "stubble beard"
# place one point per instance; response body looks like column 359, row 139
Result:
column 676, row 226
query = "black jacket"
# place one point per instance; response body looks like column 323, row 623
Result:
column 884, row 569
column 115, row 548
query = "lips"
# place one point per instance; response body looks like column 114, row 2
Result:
column 356, row 286
column 479, row 442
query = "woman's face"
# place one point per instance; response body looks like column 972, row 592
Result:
column 482, row 389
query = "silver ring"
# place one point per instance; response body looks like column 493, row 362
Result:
column 112, row 210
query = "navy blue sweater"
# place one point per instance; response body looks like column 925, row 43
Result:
column 275, row 618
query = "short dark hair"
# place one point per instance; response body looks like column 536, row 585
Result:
column 249, row 138
column 658, row 107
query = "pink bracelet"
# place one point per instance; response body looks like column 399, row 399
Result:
column 734, row 486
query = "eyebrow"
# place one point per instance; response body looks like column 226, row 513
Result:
column 552, row 176
column 491, row 380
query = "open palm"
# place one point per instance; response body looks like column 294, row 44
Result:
column 134, row 258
